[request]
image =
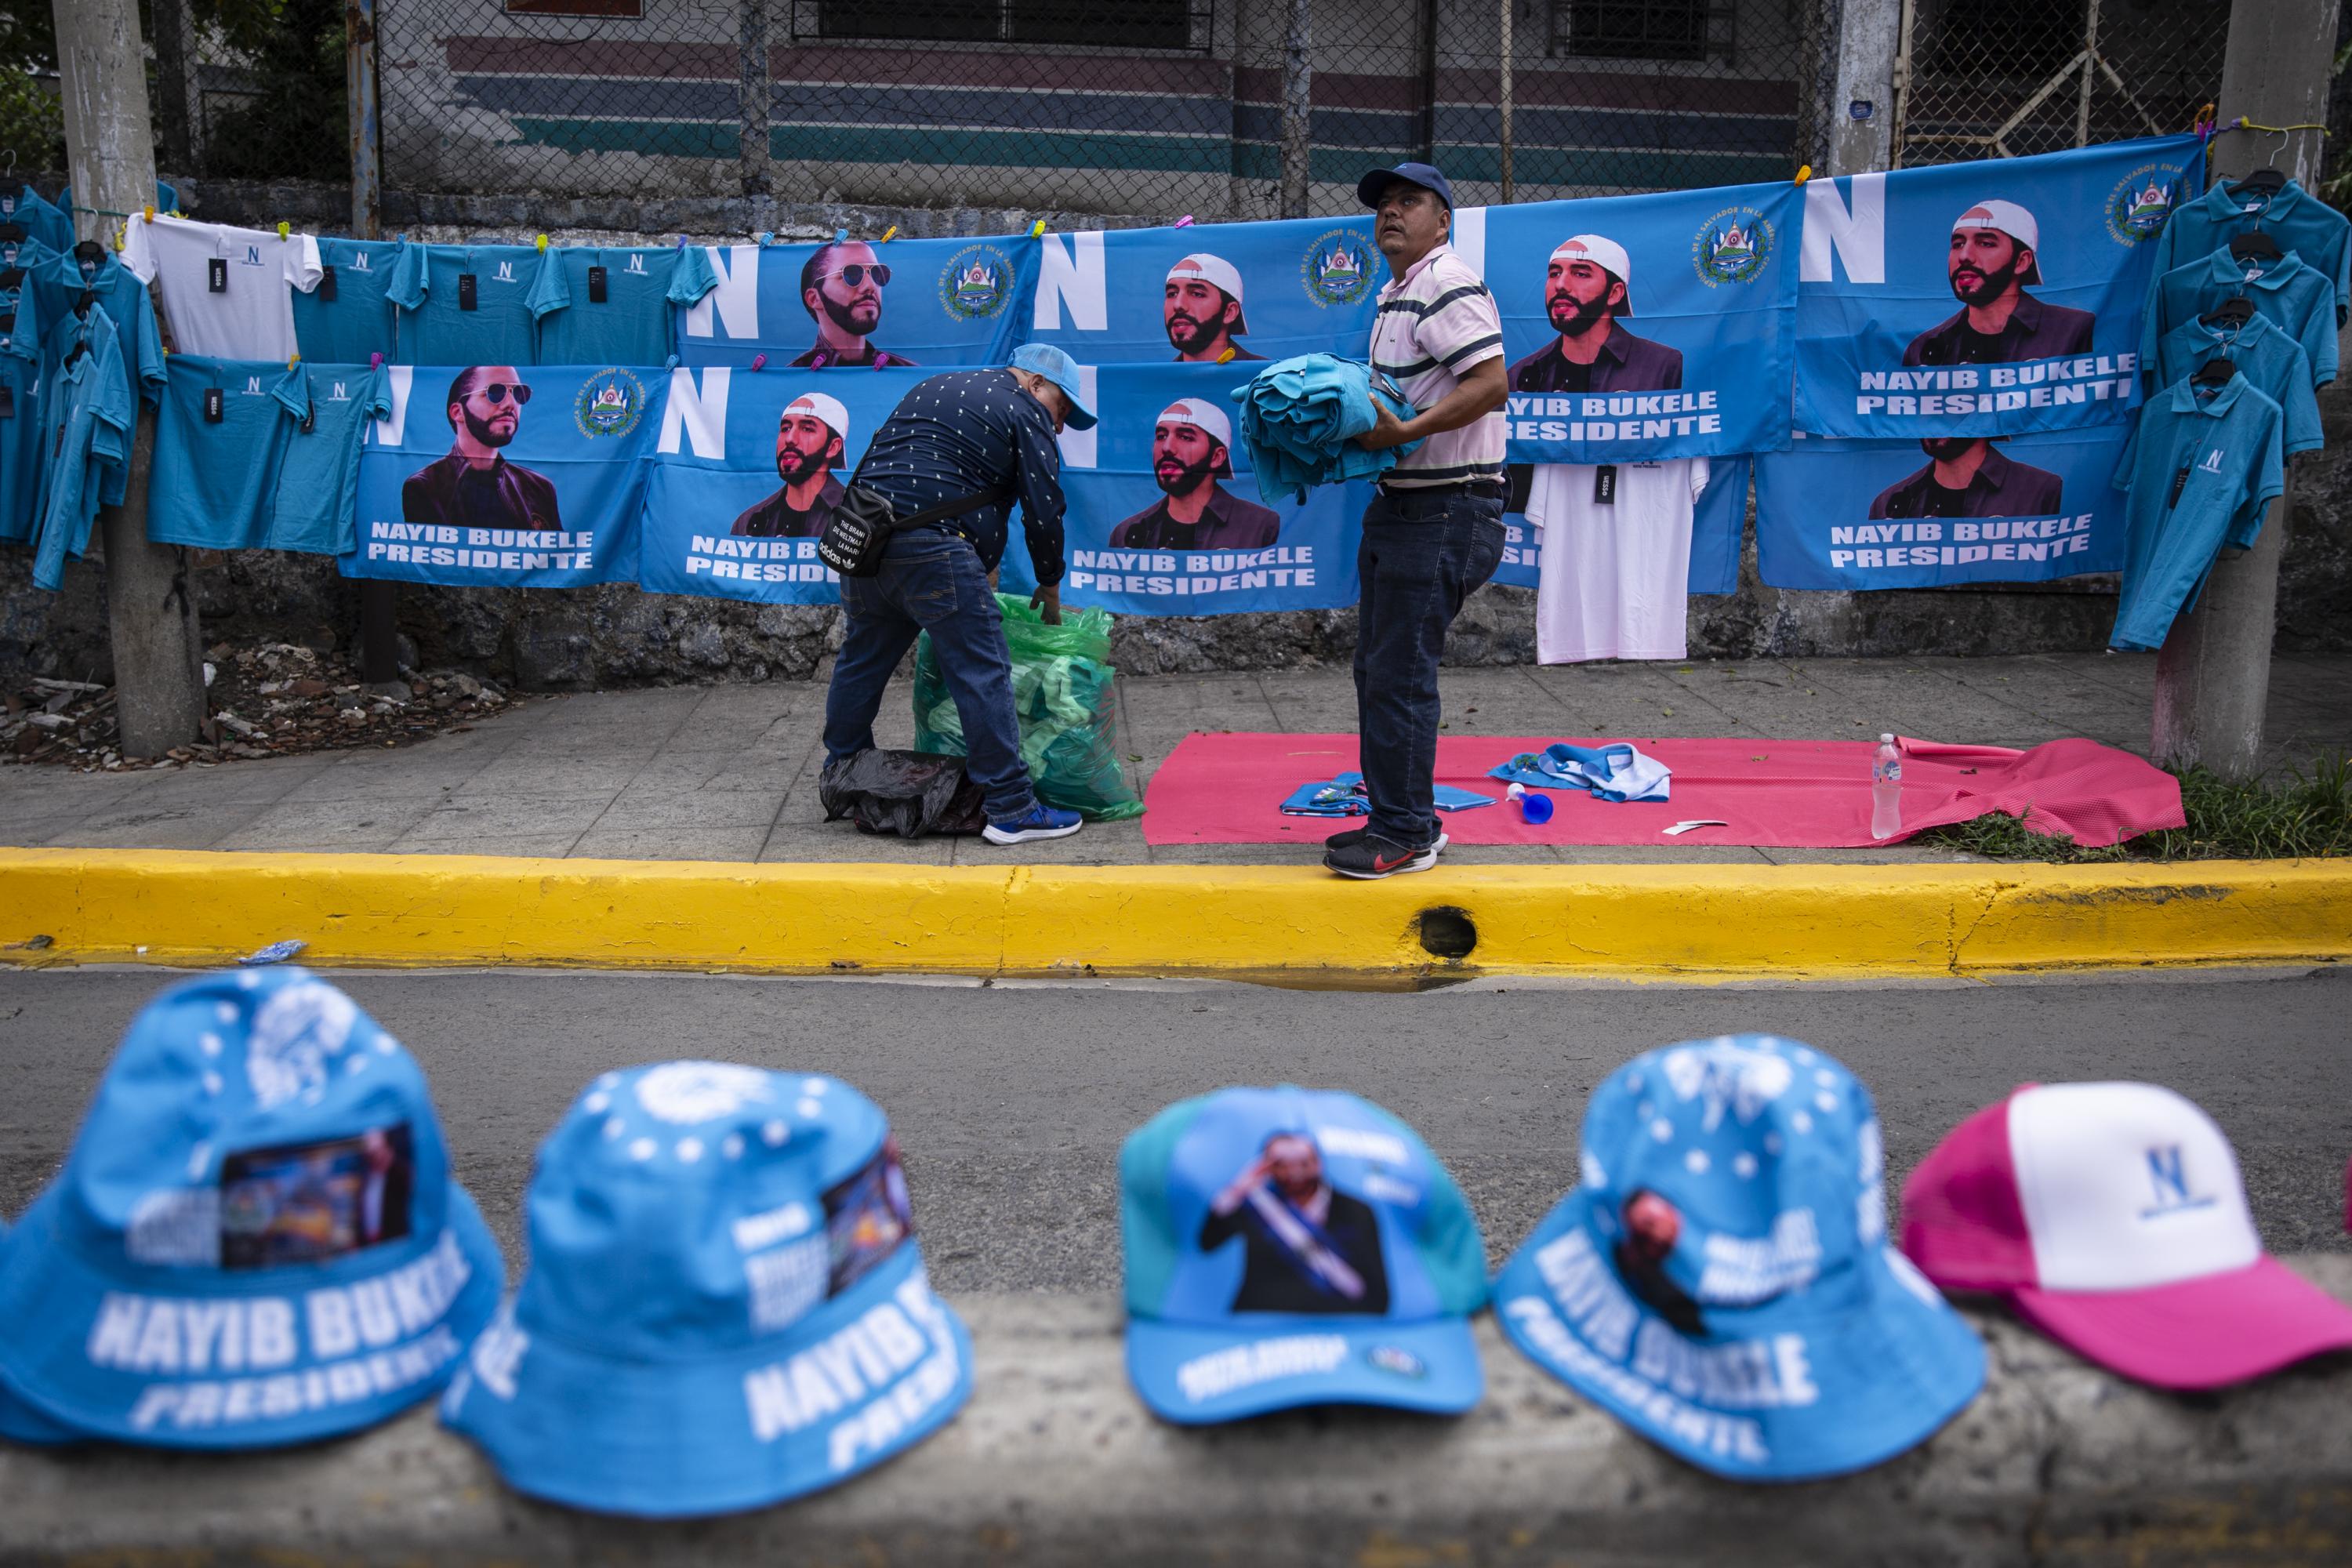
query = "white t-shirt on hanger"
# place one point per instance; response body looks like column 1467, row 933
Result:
column 1614, row 577
column 251, row 314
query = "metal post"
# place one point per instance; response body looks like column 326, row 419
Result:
column 379, row 601
column 1297, row 99
column 1505, row 145
column 159, row 679
column 1862, row 103
column 755, row 154
column 2090, row 73
column 173, row 143
column 1428, row 81
column 2212, row 677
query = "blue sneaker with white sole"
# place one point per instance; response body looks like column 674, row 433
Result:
column 1041, row 821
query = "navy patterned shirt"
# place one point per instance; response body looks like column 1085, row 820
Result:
column 968, row 431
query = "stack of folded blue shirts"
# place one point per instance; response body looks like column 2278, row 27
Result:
column 1611, row 773
column 1342, row 795
column 1300, row 419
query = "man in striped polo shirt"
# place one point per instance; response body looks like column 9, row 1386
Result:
column 1434, row 534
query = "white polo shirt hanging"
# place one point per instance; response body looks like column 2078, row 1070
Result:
column 226, row 292
column 1614, row 544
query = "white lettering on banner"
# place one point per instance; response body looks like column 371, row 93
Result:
column 696, row 412
column 1596, row 406
column 2074, row 537
column 1588, row 1292
column 854, row 1363
column 1468, row 237
column 722, row 558
column 1072, row 271
column 1615, row 430
column 734, row 305
column 558, row 551
column 1078, row 445
column 188, row 1406
column 398, row 380
column 1155, row 573
column 1261, row 1360
column 1725, row 1437
column 1854, row 234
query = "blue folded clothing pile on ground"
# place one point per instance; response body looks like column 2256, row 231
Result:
column 1342, row 795
column 1299, row 418
column 1611, row 773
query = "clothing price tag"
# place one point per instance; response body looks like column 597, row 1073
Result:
column 215, row 410
column 7, row 402
column 595, row 285
column 326, row 283
column 14, row 278
column 2179, row 483
column 309, row 418
column 1604, row 485
column 469, row 297
column 8, row 323
column 216, row 275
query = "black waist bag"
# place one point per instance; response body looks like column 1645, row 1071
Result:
column 863, row 520
column 908, row 794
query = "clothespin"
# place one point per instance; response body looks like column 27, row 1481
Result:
column 284, row 228
column 888, row 234
column 1037, row 229
column 542, row 242
column 759, row 362
column 151, row 214
column 1804, row 173
column 681, row 243
column 765, row 237
column 292, row 360
column 1184, row 222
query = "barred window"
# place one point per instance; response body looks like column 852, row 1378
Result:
column 1641, row 29
column 1117, row 23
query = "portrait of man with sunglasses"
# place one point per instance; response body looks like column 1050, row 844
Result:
column 841, row 288
column 474, row 486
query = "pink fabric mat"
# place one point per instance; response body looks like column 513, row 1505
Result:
column 1227, row 789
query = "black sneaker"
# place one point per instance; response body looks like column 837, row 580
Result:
column 1371, row 858
column 1357, row 835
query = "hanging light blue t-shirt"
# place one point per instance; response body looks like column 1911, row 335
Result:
column 2294, row 217
column 428, row 285
column 116, row 291
column 2201, row 468
column 2272, row 362
column 327, row 408
column 42, row 221
column 20, row 413
column 351, row 319
column 212, row 482
column 636, row 322
column 2286, row 292
column 87, row 415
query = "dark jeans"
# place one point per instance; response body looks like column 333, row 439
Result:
column 1421, row 557
column 932, row 582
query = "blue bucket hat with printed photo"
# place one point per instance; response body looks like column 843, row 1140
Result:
column 1290, row 1246
column 725, row 1305
column 254, row 1239
column 1720, row 1279
column 19, row 1422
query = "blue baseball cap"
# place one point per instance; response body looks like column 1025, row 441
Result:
column 725, row 1305
column 1425, row 176
column 1046, row 359
column 1721, row 1280
column 1290, row 1246
column 256, row 1239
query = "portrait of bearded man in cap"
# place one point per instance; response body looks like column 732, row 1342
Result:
column 1587, row 294
column 809, row 436
column 1994, row 251
column 1192, row 444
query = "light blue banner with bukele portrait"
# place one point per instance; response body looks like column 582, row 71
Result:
column 1982, row 299
column 848, row 304
column 1644, row 327
column 1164, row 516
column 1947, row 511
column 499, row 475
column 1212, row 294
column 746, row 469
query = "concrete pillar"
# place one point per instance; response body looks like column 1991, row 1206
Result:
column 150, row 611
column 1862, row 102
column 1298, row 102
column 2213, row 675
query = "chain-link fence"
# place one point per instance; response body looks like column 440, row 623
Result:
column 2005, row 78
column 1150, row 107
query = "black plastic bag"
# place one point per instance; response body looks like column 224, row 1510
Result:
column 910, row 793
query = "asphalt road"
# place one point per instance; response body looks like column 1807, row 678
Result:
column 1011, row 1101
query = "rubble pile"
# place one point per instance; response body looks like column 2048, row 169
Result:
column 274, row 701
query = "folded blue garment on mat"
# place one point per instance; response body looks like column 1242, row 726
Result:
column 1611, row 773
column 1342, row 795
column 1299, row 416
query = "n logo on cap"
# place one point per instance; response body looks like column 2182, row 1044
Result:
column 2170, row 1183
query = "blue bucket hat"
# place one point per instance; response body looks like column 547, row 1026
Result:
column 19, row 1422
column 256, row 1239
column 1290, row 1246
column 1720, row 1279
column 725, row 1305
column 1059, row 367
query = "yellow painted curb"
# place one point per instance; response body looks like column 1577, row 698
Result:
column 1630, row 921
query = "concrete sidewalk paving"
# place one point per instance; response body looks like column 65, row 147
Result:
column 730, row 773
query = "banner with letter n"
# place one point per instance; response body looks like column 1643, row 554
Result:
column 499, row 475
column 745, row 471
column 1165, row 518
column 1945, row 511
column 851, row 305
column 1983, row 298
column 1644, row 327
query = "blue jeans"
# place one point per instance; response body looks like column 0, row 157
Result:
column 932, row 582
column 1421, row 557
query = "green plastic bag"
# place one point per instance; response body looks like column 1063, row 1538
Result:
column 1064, row 688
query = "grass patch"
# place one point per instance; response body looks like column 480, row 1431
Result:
column 2306, row 811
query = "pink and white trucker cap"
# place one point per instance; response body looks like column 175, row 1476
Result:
column 2112, row 1216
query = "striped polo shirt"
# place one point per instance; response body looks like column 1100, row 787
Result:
column 1434, row 322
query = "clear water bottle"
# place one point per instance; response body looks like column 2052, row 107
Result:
column 1886, row 790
